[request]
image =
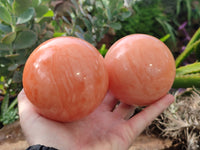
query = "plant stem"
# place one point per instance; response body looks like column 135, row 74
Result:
column 189, row 69
column 186, row 81
column 13, row 104
column 189, row 48
column 195, row 37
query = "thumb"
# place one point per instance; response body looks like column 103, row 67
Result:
column 26, row 109
column 134, row 126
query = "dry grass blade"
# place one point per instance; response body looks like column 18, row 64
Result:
column 181, row 121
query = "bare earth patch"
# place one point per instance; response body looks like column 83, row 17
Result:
column 12, row 138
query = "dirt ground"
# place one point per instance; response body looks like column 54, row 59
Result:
column 12, row 138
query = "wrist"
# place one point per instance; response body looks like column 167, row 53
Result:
column 40, row 147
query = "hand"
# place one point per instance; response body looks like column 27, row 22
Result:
column 107, row 128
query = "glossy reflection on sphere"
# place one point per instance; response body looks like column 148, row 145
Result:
column 141, row 69
column 65, row 79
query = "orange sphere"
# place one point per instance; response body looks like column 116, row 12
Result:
column 141, row 69
column 65, row 79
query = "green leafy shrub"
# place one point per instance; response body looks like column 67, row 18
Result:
column 8, row 111
column 189, row 8
column 148, row 18
column 23, row 26
column 92, row 19
column 189, row 75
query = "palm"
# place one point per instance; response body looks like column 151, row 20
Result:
column 103, row 129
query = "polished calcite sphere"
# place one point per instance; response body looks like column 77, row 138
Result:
column 141, row 69
column 65, row 79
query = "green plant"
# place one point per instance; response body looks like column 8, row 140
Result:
column 184, row 4
column 149, row 18
column 103, row 50
column 23, row 26
column 8, row 111
column 192, row 46
column 180, row 122
column 189, row 75
column 92, row 19
column 188, row 7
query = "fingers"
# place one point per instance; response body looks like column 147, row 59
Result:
column 26, row 109
column 139, row 122
column 109, row 102
column 124, row 111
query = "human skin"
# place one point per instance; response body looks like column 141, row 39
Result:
column 107, row 128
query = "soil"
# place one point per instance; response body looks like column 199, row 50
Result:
column 12, row 138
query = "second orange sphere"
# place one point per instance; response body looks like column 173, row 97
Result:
column 141, row 69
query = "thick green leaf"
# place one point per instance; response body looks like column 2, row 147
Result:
column 58, row 34
column 125, row 15
column 188, row 69
column 194, row 38
column 188, row 50
column 118, row 5
column 4, row 105
column 20, row 27
column 189, row 11
column 5, row 28
column 41, row 10
column 9, row 38
column 5, row 15
column 13, row 67
column 5, row 47
column 165, row 38
column 21, row 58
column 13, row 104
column 103, row 50
column 2, row 79
column 9, row 113
column 10, row 1
column 79, row 35
column 10, row 116
column 20, row 6
column 64, row 19
column 116, row 25
column 25, row 39
column 50, row 13
column 109, row 14
column 26, row 16
column 3, row 2
column 36, row 3
column 88, row 24
column 186, row 81
column 2, row 89
column 87, row 37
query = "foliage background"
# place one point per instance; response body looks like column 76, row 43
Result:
column 24, row 24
